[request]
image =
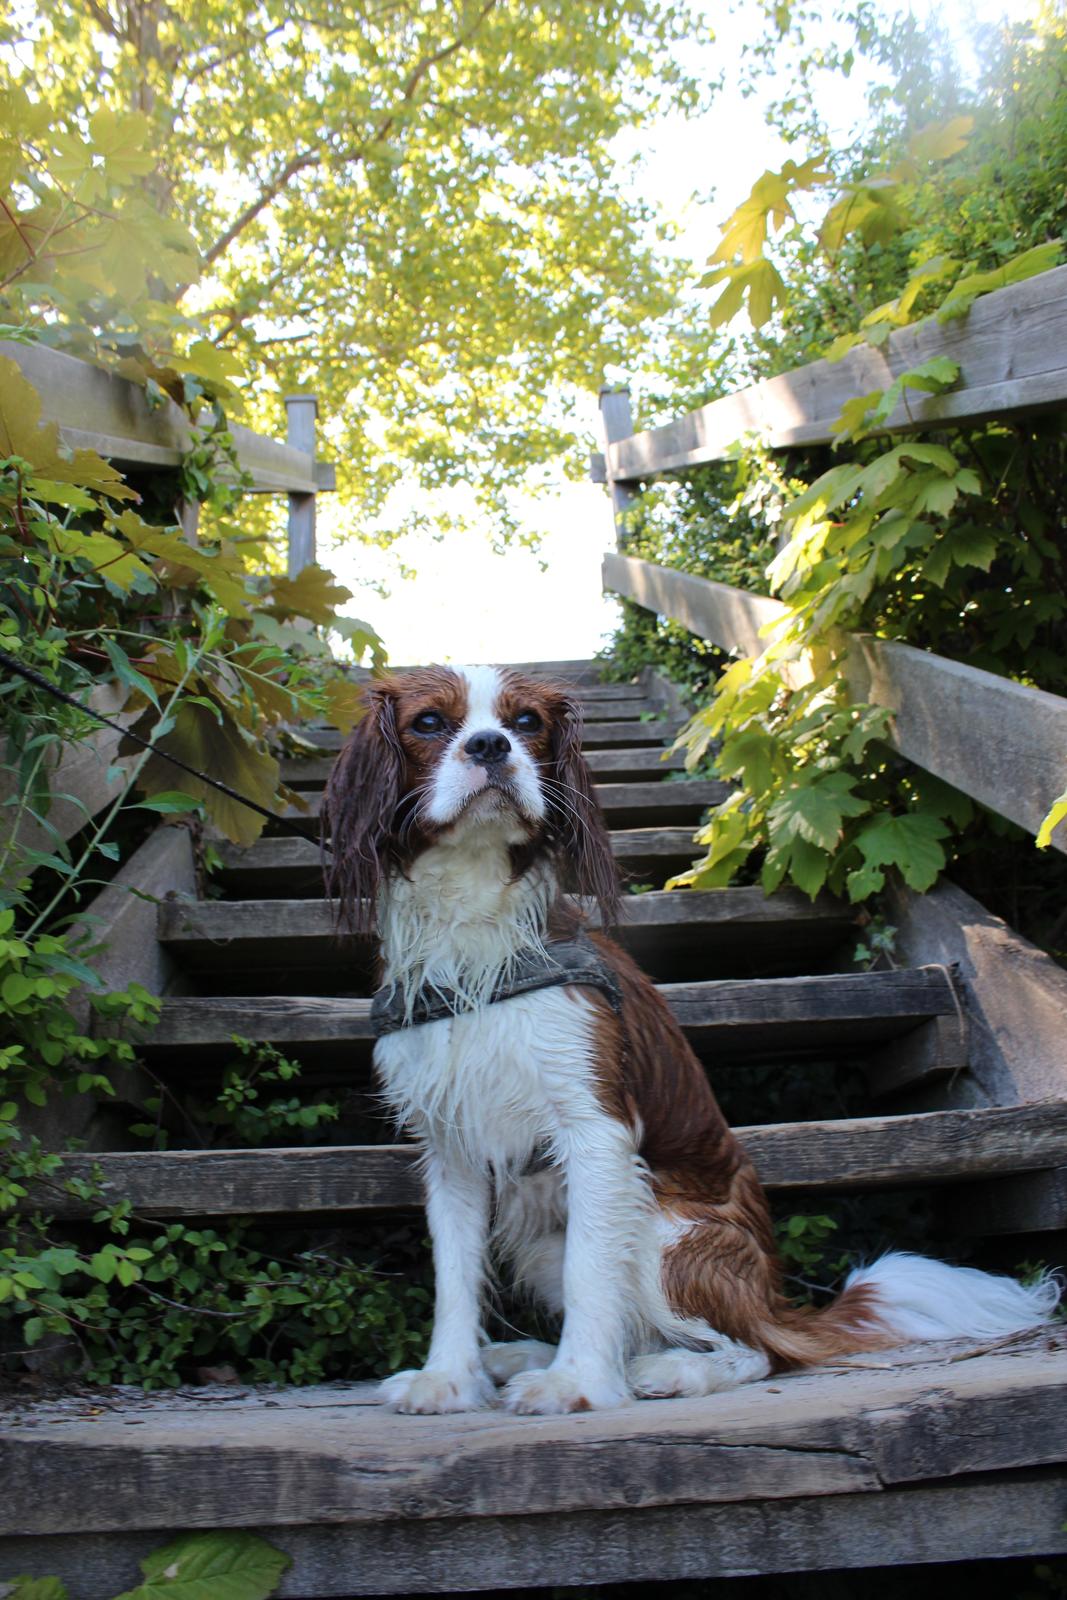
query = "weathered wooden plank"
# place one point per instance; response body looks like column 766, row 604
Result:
column 1032, row 1202
column 982, row 1517
column 121, row 923
column 677, row 936
column 625, row 805
column 1014, row 994
column 939, row 1049
column 659, row 730
column 289, row 867
column 332, row 1458
column 722, row 1018
column 1010, row 349
column 850, row 1153
column 610, row 766
column 83, row 777
column 731, row 618
column 99, row 411
column 1003, row 743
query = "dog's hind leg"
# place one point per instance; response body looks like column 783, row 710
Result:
column 696, row 1372
column 503, row 1361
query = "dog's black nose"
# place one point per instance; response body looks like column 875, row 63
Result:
column 487, row 748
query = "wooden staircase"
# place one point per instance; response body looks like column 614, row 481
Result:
column 928, row 1453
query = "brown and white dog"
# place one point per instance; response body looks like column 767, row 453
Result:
column 578, row 1141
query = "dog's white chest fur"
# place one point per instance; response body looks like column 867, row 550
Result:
column 495, row 1080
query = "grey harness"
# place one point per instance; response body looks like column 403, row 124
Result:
column 565, row 961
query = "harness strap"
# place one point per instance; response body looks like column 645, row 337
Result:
column 565, row 961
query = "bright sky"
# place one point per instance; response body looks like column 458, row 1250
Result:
column 467, row 604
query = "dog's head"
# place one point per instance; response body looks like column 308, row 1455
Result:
column 443, row 749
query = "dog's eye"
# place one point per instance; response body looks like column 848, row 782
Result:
column 428, row 722
column 528, row 722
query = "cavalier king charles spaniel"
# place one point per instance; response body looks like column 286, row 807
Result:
column 567, row 1128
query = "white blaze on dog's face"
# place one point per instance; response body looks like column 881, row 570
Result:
column 444, row 750
column 489, row 752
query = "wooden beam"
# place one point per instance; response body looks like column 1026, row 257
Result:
column 610, row 766
column 725, row 1018
column 84, row 776
column 288, row 868
column 625, row 805
column 1030, row 1202
column 121, row 923
column 731, row 618
column 1011, row 349
column 97, row 410
column 980, row 1517
column 1003, row 743
column 700, row 934
column 840, row 1155
column 1015, row 995
column 330, row 1455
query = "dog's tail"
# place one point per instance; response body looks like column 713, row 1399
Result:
column 902, row 1297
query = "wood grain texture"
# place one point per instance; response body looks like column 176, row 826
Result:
column 699, row 935
column 610, row 766
column 326, row 1456
column 1010, row 349
column 625, row 805
column 1032, row 1202
column 729, row 617
column 292, row 867
column 1015, row 995
column 847, row 1153
column 721, row 1017
column 998, row 741
column 615, row 734
column 100, row 411
column 984, row 1516
column 83, row 777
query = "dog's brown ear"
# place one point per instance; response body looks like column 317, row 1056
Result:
column 359, row 810
column 577, row 823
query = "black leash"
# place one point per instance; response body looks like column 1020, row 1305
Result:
column 41, row 682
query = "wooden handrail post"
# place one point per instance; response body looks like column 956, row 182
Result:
column 617, row 423
column 301, row 411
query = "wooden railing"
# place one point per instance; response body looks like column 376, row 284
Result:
column 1000, row 742
column 99, row 411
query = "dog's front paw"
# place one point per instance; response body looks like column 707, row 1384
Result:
column 432, row 1393
column 555, row 1390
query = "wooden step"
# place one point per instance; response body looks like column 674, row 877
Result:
column 691, row 934
column 596, row 736
column 1032, row 1202
column 289, row 867
column 610, row 766
column 870, row 1462
column 625, row 805
column 725, row 1020
column 842, row 1155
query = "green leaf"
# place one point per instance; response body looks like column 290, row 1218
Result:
column 966, row 291
column 170, row 801
column 815, row 811
column 911, row 843
column 27, row 1588
column 126, row 671
column 972, row 546
column 808, row 866
column 1057, row 814
column 224, row 1565
column 940, row 140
